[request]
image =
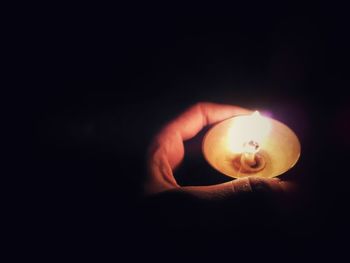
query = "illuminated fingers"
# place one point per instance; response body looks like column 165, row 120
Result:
column 188, row 124
column 167, row 149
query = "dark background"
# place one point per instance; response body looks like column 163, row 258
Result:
column 99, row 81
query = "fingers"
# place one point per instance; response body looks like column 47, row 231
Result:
column 188, row 124
column 160, row 175
column 164, row 154
column 167, row 149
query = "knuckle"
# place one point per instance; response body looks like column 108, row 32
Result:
column 261, row 185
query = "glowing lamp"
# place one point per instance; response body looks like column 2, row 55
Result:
column 247, row 145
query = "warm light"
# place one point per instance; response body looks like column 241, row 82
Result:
column 248, row 133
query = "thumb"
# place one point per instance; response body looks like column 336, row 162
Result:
column 238, row 187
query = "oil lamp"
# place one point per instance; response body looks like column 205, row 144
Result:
column 247, row 145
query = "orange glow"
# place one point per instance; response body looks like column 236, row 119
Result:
column 247, row 131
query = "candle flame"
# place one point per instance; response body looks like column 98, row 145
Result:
column 249, row 132
column 256, row 114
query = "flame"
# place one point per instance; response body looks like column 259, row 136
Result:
column 245, row 129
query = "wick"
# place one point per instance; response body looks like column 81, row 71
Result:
column 250, row 159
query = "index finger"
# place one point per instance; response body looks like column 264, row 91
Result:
column 167, row 149
column 189, row 123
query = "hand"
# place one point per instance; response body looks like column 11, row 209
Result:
column 167, row 152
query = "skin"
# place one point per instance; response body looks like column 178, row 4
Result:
column 167, row 152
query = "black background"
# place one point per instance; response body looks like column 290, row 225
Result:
column 99, row 81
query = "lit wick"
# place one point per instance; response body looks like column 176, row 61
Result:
column 251, row 148
column 249, row 161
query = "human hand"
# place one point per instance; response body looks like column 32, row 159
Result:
column 167, row 152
